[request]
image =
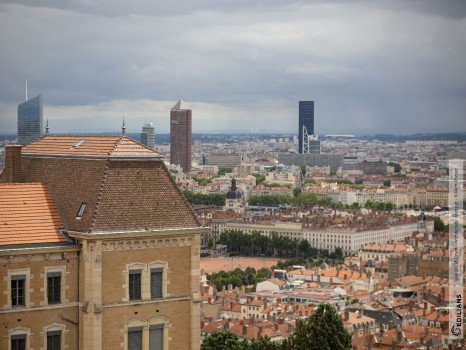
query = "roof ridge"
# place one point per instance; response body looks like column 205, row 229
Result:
column 114, row 147
column 57, row 205
column 140, row 144
column 79, row 135
column 99, row 196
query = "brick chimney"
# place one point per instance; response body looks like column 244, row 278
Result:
column 13, row 163
column 259, row 333
column 399, row 336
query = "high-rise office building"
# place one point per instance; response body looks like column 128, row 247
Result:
column 30, row 125
column 306, row 124
column 148, row 135
column 181, row 135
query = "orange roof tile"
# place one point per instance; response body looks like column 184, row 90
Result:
column 81, row 145
column 28, row 215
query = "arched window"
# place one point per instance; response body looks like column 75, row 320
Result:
column 19, row 338
column 146, row 281
column 54, row 336
column 152, row 334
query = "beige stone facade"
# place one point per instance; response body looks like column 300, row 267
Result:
column 119, row 256
column 37, row 316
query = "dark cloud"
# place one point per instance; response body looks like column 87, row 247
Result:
column 391, row 66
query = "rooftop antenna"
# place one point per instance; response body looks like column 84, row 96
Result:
column 26, row 89
column 123, row 127
column 47, row 126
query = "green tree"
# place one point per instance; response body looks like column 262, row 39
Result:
column 217, row 199
column 439, row 226
column 304, row 247
column 223, row 171
column 387, row 183
column 221, row 340
column 259, row 178
column 396, row 166
column 323, row 330
column 263, row 343
column 338, row 253
column 309, row 182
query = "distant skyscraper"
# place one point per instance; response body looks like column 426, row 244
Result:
column 148, row 135
column 30, row 125
column 181, row 135
column 306, row 123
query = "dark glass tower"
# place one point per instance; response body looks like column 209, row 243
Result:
column 30, row 125
column 306, row 118
column 181, row 135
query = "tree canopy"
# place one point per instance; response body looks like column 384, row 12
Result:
column 226, row 340
column 204, row 199
column 302, row 200
column 323, row 330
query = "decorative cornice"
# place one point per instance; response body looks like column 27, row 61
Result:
column 146, row 243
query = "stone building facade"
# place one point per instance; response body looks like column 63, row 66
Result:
column 109, row 236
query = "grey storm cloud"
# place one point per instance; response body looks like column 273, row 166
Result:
column 371, row 67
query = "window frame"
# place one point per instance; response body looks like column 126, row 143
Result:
column 51, row 336
column 146, row 326
column 19, row 332
column 146, row 271
column 81, row 209
column 63, row 286
column 52, row 290
column 56, row 327
column 27, row 295
column 156, row 327
column 156, row 290
column 137, row 329
column 160, row 266
column 132, row 288
column 16, row 337
column 18, row 291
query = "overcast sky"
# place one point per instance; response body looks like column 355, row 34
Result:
column 370, row 66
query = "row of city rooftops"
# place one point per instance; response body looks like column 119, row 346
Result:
column 86, row 184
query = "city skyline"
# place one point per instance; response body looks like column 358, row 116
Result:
column 244, row 65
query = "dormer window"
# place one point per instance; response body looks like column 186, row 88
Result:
column 81, row 210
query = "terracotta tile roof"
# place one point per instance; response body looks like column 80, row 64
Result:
column 28, row 215
column 136, row 195
column 127, row 147
column 255, row 302
column 81, row 145
column 122, row 189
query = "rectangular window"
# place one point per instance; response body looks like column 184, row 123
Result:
column 54, row 340
column 18, row 284
column 135, row 284
column 53, row 287
column 18, row 342
column 156, row 337
column 135, row 338
column 156, row 283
